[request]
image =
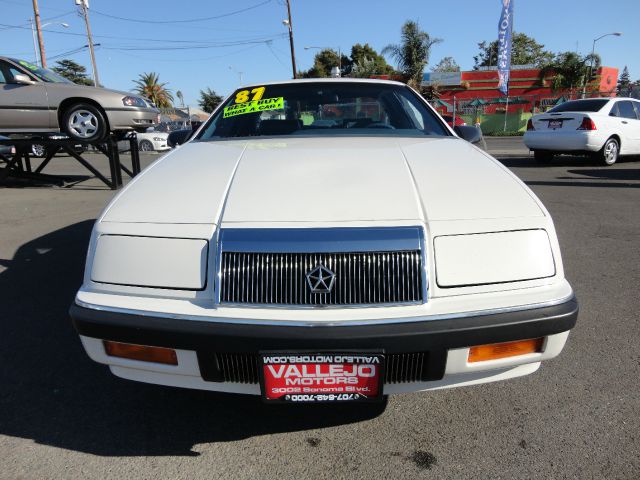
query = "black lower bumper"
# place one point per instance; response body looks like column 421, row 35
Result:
column 391, row 337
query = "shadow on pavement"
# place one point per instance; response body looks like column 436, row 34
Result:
column 558, row 161
column 608, row 173
column 52, row 393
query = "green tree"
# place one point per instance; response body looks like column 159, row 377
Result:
column 72, row 71
column 180, row 97
column 148, row 85
column 623, row 89
column 447, row 64
column 413, row 51
column 365, row 61
column 209, row 100
column 569, row 70
column 323, row 62
column 524, row 51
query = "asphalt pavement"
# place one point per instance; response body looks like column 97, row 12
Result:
column 63, row 416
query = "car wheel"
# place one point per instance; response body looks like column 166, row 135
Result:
column 38, row 150
column 609, row 152
column 145, row 146
column 84, row 122
column 542, row 156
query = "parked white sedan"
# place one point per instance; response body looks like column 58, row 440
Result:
column 153, row 141
column 310, row 261
column 603, row 127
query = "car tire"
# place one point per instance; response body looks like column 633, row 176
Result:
column 85, row 122
column 38, row 150
column 542, row 156
column 145, row 146
column 609, row 152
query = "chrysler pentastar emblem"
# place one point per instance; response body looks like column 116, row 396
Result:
column 321, row 279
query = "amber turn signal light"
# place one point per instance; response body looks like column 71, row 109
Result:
column 141, row 352
column 494, row 351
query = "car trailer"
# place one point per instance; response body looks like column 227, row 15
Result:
column 19, row 165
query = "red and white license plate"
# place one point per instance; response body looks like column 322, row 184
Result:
column 321, row 377
column 553, row 124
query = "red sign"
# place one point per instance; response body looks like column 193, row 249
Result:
column 322, row 377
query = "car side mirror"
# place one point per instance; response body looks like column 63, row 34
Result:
column 469, row 133
column 22, row 79
column 179, row 137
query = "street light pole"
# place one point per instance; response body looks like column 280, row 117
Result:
column 593, row 52
column 35, row 46
column 85, row 14
column 290, row 25
column 232, row 68
column 33, row 34
column 36, row 15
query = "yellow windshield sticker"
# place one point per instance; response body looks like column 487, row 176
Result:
column 30, row 66
column 243, row 95
column 253, row 106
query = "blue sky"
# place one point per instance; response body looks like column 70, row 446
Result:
column 192, row 55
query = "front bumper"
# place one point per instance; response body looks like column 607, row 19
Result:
column 444, row 341
column 127, row 118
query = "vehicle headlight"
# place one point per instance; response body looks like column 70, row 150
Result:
column 134, row 102
column 158, row 139
column 489, row 258
column 153, row 262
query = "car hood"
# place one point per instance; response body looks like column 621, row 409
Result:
column 323, row 180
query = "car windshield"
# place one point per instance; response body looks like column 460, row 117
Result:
column 323, row 109
column 589, row 105
column 43, row 74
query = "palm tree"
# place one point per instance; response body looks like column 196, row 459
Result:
column 180, row 97
column 149, row 86
column 569, row 71
column 413, row 51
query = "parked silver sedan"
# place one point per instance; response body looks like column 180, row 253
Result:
column 34, row 99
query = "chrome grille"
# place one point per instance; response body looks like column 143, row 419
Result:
column 399, row 368
column 362, row 278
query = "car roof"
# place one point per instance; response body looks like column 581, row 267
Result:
column 325, row 80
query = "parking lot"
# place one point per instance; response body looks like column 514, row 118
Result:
column 63, row 416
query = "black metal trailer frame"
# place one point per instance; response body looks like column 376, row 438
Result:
column 19, row 165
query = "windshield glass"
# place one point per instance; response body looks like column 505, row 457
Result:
column 43, row 74
column 323, row 109
column 591, row 105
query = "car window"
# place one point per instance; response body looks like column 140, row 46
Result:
column 587, row 105
column 614, row 111
column 626, row 109
column 43, row 74
column 413, row 112
column 323, row 109
column 5, row 74
column 636, row 105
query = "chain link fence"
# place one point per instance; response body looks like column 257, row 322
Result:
column 503, row 115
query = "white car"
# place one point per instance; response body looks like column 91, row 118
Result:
column 153, row 141
column 310, row 262
column 603, row 127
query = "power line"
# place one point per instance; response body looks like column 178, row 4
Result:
column 187, row 42
column 202, row 19
column 186, row 47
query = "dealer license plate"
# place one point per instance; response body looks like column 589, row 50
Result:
column 553, row 124
column 321, row 377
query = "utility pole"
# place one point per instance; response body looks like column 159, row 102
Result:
column 293, row 52
column 84, row 4
column 36, row 14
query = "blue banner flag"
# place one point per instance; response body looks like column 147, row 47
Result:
column 504, row 45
